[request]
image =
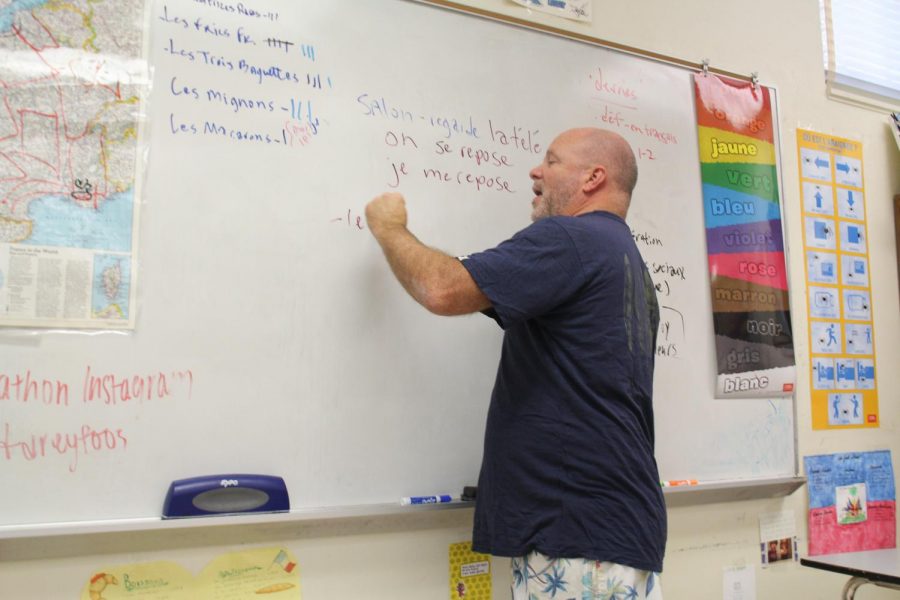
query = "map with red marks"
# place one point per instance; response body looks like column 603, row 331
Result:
column 71, row 81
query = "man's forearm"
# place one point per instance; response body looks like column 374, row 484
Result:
column 435, row 280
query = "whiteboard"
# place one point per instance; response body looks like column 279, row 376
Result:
column 271, row 336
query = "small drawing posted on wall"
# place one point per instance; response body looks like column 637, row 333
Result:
column 851, row 503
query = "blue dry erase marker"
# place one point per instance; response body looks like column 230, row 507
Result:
column 436, row 499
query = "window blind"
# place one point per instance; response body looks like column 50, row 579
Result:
column 862, row 48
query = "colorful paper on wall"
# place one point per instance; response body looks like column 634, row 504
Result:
column 852, row 502
column 470, row 573
column 257, row 573
column 745, row 246
column 260, row 573
column 841, row 332
column 161, row 580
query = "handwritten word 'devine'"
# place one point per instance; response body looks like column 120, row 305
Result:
column 73, row 444
column 617, row 89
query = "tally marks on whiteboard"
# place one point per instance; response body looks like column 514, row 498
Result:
column 744, row 241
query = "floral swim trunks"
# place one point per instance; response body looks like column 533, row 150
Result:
column 538, row 577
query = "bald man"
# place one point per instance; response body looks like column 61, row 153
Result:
column 569, row 486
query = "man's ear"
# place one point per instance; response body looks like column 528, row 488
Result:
column 595, row 180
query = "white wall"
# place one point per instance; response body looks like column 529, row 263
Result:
column 405, row 557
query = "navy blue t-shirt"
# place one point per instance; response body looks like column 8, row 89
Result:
column 568, row 467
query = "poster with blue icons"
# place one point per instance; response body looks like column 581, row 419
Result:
column 821, row 267
column 843, row 375
column 821, row 233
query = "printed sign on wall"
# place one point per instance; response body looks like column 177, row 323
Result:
column 841, row 336
column 470, row 573
column 745, row 246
